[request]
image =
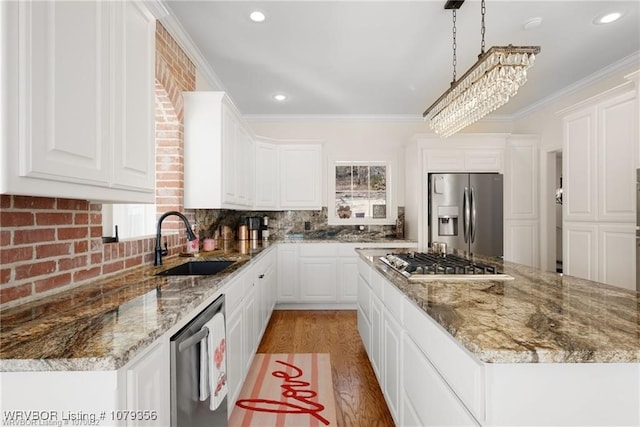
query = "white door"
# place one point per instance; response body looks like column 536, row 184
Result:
column 318, row 279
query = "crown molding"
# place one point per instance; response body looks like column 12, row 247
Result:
column 347, row 117
column 163, row 13
column 605, row 72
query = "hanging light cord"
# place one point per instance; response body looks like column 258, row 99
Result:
column 483, row 10
column 455, row 61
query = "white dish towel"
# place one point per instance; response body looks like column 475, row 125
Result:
column 213, row 363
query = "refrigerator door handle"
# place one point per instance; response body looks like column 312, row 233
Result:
column 466, row 214
column 473, row 216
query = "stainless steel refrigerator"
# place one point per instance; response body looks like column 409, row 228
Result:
column 465, row 212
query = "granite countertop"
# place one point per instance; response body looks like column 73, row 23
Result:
column 102, row 325
column 538, row 317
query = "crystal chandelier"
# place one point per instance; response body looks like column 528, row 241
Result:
column 486, row 86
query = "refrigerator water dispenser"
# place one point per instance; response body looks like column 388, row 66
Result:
column 447, row 220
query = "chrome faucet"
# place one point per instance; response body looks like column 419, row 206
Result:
column 161, row 252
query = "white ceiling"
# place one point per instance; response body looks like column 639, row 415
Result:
column 393, row 57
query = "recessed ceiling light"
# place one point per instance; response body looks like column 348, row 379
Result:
column 257, row 16
column 607, row 18
column 280, row 97
column 532, row 23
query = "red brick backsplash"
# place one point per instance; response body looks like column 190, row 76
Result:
column 61, row 251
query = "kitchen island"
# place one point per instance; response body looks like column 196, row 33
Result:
column 541, row 349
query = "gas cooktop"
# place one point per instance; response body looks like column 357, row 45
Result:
column 425, row 265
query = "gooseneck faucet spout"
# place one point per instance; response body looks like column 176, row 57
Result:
column 161, row 252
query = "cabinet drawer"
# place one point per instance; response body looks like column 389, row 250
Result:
column 377, row 283
column 364, row 270
column 348, row 249
column 392, row 299
column 460, row 370
column 429, row 398
column 319, row 249
column 364, row 298
column 233, row 293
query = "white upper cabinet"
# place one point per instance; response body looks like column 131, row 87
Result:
column 287, row 176
column 266, row 189
column 300, row 176
column 80, row 100
column 134, row 103
column 218, row 154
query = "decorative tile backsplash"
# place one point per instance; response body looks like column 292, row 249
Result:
column 283, row 224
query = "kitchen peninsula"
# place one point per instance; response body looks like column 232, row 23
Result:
column 541, row 349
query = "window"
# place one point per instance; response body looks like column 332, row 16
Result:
column 132, row 220
column 360, row 193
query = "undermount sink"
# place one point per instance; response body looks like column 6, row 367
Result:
column 196, row 268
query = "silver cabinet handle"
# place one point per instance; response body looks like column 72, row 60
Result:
column 465, row 214
column 473, row 216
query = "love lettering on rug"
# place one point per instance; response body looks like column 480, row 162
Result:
column 286, row 390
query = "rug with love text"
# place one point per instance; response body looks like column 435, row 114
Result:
column 291, row 389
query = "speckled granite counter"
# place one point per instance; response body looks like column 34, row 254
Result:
column 104, row 324
column 101, row 326
column 537, row 317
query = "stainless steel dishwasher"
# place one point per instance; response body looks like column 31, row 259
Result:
column 186, row 408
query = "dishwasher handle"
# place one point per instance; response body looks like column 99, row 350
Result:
column 193, row 339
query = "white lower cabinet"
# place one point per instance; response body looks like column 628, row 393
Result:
column 429, row 379
column 287, row 273
column 392, row 363
column 320, row 275
column 432, row 402
column 348, row 279
column 375, row 355
column 147, row 382
column 318, row 279
column 235, row 364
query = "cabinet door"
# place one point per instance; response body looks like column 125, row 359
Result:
column 288, row 273
column 579, row 166
column 580, row 250
column 483, row 160
column 266, row 177
column 134, row 97
column 617, row 138
column 250, row 328
column 617, row 244
column 229, row 153
column 318, row 279
column 376, row 336
column 148, row 384
column 444, row 160
column 434, row 402
column 392, row 360
column 235, row 353
column 244, row 168
column 64, row 91
column 348, row 280
column 300, row 176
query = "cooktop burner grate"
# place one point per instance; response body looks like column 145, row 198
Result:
column 423, row 263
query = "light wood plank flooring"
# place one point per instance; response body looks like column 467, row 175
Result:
column 359, row 401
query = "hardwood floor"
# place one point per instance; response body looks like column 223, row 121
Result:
column 359, row 401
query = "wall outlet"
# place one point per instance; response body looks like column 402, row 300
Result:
column 307, row 225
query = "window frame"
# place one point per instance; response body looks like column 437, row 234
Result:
column 391, row 207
